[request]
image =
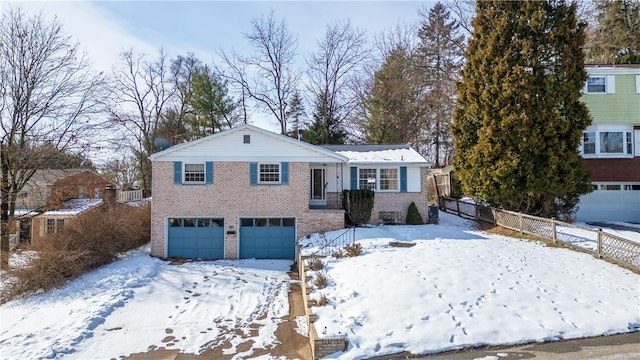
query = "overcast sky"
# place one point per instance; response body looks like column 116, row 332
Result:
column 106, row 28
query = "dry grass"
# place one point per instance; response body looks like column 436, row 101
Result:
column 96, row 240
column 338, row 253
column 320, row 281
column 322, row 301
column 353, row 249
column 314, row 263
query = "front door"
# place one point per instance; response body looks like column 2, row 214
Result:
column 318, row 188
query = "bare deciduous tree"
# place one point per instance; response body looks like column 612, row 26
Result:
column 141, row 93
column 49, row 97
column 332, row 70
column 267, row 75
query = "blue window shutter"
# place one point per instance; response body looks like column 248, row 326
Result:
column 284, row 173
column 253, row 174
column 208, row 172
column 177, row 172
column 354, row 178
column 403, row 179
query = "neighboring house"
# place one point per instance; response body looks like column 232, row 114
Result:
column 250, row 193
column 55, row 185
column 611, row 144
column 68, row 213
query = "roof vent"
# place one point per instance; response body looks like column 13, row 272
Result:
column 247, row 139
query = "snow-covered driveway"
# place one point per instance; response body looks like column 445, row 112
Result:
column 460, row 287
column 141, row 302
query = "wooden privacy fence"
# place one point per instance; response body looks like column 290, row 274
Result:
column 603, row 244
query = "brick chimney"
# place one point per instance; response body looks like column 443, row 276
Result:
column 109, row 194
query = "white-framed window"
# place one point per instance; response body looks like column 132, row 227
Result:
column 193, row 173
column 611, row 142
column 597, row 85
column 379, row 179
column 389, row 179
column 54, row 226
column 589, row 143
column 269, row 174
column 607, row 141
column 600, row 84
column 367, row 179
column 616, row 186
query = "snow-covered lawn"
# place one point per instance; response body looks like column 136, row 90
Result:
column 460, row 287
column 456, row 287
column 140, row 302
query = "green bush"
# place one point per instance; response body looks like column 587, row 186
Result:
column 359, row 204
column 413, row 215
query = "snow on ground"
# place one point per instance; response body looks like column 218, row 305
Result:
column 140, row 302
column 458, row 287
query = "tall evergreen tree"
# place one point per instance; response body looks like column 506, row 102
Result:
column 325, row 128
column 519, row 120
column 438, row 59
column 615, row 37
column 394, row 114
column 295, row 114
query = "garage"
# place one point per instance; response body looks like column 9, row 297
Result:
column 196, row 238
column 267, row 238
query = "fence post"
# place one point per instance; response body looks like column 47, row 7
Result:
column 553, row 230
column 599, row 251
column 475, row 207
column 458, row 206
column 520, row 220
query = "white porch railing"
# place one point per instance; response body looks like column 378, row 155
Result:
column 126, row 196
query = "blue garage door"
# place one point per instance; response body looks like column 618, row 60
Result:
column 267, row 238
column 196, row 238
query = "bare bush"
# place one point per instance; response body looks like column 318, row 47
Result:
column 96, row 240
column 322, row 301
column 320, row 280
column 338, row 253
column 353, row 249
column 314, row 263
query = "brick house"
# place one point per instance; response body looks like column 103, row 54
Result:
column 611, row 144
column 250, row 193
column 55, row 185
column 68, row 213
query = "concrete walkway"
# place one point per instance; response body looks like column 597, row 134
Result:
column 614, row 347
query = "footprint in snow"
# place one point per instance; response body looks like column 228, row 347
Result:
column 425, row 318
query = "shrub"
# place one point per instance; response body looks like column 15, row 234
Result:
column 359, row 204
column 314, row 263
column 322, row 301
column 413, row 215
column 353, row 249
column 338, row 253
column 96, row 239
column 320, row 280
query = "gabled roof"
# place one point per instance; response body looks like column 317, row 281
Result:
column 49, row 176
column 200, row 148
column 379, row 154
column 74, row 207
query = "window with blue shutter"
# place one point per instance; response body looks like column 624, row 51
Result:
column 284, row 173
column 354, row 178
column 209, row 172
column 253, row 174
column 403, row 179
column 177, row 172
